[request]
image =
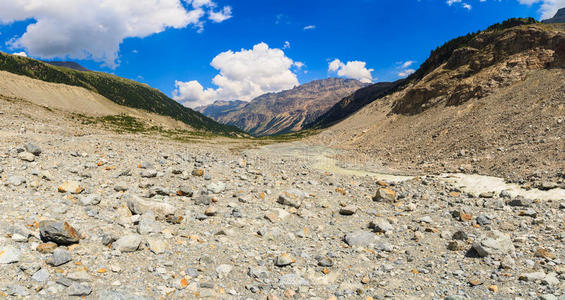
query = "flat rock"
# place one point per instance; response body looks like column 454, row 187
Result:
column 128, row 243
column 292, row 198
column 59, row 257
column 493, row 243
column 360, row 238
column 138, row 206
column 9, row 255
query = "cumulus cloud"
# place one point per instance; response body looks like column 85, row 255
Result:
column 310, row 27
column 20, row 54
column 467, row 6
column 548, row 7
column 88, row 29
column 243, row 75
column 352, row 69
column 286, row 45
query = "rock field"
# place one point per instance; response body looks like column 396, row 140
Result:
column 93, row 214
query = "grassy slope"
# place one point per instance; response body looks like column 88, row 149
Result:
column 120, row 90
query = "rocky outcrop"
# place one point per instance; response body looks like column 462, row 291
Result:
column 490, row 60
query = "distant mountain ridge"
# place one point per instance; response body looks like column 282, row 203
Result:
column 286, row 111
column 220, row 108
column 558, row 18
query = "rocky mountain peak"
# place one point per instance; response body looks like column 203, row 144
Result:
column 558, row 18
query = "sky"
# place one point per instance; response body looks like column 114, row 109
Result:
column 199, row 51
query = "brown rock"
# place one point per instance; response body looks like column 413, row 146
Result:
column 384, row 194
column 544, row 253
column 46, row 248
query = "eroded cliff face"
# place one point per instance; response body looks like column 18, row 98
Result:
column 489, row 61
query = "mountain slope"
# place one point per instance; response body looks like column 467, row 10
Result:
column 492, row 102
column 360, row 99
column 220, row 108
column 352, row 103
column 119, row 90
column 290, row 110
column 68, row 64
column 558, row 18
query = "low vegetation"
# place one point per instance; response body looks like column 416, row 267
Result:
column 119, row 90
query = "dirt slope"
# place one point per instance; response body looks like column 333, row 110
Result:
column 74, row 99
column 497, row 108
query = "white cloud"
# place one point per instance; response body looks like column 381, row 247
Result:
column 94, row 29
column 243, row 75
column 406, row 72
column 298, row 64
column 220, row 16
column 310, row 27
column 352, row 69
column 548, row 7
column 467, row 6
column 404, row 68
column 286, row 45
column 407, row 64
column 450, row 2
column 20, row 54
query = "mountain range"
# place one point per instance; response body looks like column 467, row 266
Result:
column 283, row 112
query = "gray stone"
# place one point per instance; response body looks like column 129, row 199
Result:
column 33, row 149
column 40, row 276
column 148, row 173
column 59, row 257
column 26, row 156
column 360, row 238
column 15, row 181
column 138, row 206
column 292, row 197
column 292, row 281
column 216, row 187
column 79, row 290
column 381, row 225
column 128, row 243
column 88, row 200
column 223, row 270
column 493, row 243
column 9, row 255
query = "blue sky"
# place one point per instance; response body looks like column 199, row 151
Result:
column 383, row 34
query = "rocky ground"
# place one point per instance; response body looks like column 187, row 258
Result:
column 91, row 213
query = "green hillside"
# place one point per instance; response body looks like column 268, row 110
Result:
column 120, row 90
